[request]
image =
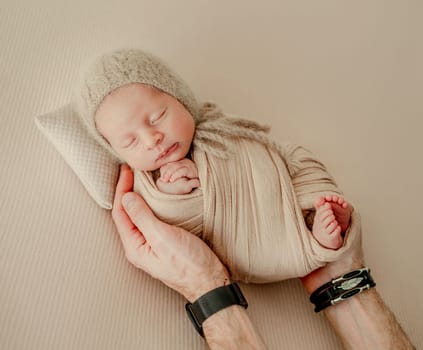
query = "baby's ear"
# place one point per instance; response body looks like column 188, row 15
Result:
column 95, row 167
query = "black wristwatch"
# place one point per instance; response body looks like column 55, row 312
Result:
column 212, row 302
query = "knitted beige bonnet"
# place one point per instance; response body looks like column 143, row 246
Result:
column 121, row 67
column 213, row 129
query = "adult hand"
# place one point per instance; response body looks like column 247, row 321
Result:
column 171, row 254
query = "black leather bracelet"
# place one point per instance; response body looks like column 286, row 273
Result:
column 212, row 302
column 342, row 288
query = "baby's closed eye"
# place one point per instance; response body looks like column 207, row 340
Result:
column 155, row 118
column 132, row 142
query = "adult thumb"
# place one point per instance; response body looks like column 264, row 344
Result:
column 142, row 216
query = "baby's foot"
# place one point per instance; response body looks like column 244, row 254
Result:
column 326, row 229
column 341, row 210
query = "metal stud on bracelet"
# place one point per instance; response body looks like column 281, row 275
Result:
column 342, row 288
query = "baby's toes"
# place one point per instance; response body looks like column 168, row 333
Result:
column 324, row 211
column 328, row 220
column 326, row 206
column 330, row 228
column 328, row 198
column 335, row 198
column 319, row 202
column 340, row 200
column 336, row 231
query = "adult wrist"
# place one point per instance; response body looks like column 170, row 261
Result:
column 209, row 282
column 341, row 288
column 231, row 328
column 330, row 271
column 213, row 302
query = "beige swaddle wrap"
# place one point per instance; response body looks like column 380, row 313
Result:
column 249, row 209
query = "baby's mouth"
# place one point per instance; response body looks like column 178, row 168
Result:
column 167, row 151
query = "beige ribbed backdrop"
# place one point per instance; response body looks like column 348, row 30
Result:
column 343, row 78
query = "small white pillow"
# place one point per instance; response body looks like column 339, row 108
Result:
column 95, row 167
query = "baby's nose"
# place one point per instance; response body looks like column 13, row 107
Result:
column 153, row 140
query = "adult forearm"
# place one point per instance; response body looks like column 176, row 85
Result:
column 232, row 329
column 365, row 322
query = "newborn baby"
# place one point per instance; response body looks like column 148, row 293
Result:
column 152, row 131
column 145, row 115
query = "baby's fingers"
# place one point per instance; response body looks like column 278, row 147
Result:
column 190, row 185
column 169, row 169
column 181, row 172
column 165, row 172
column 194, row 183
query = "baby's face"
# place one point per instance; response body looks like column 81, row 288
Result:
column 145, row 126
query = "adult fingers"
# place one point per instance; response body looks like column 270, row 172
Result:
column 124, row 185
column 128, row 232
column 143, row 218
column 126, row 180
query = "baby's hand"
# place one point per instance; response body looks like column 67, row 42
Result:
column 180, row 186
column 179, row 177
column 173, row 171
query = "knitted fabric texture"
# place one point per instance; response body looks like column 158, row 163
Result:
column 129, row 65
column 122, row 67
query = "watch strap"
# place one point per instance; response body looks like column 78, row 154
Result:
column 212, row 302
